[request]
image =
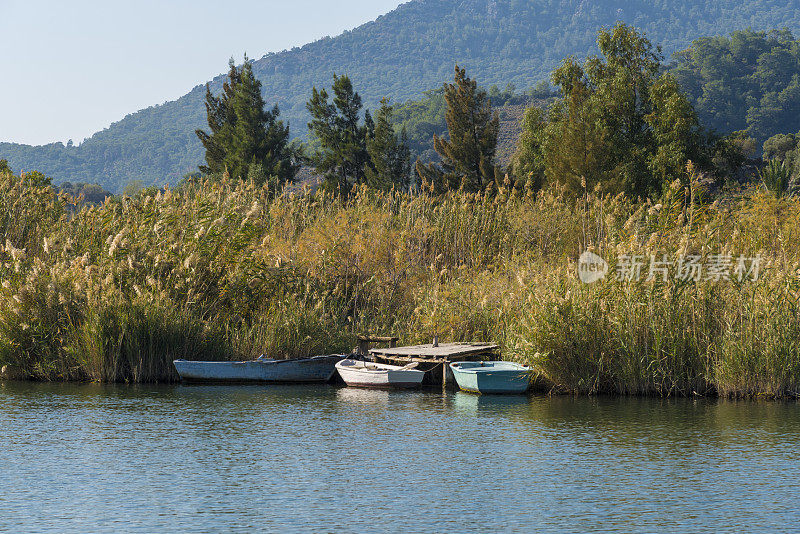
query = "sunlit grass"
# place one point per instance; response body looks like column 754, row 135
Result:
column 221, row 270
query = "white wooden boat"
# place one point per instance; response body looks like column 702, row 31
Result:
column 316, row 369
column 379, row 375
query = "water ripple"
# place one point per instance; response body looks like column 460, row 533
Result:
column 77, row 458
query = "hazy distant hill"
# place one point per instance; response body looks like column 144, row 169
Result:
column 399, row 55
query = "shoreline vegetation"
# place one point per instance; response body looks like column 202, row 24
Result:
column 230, row 264
column 224, row 269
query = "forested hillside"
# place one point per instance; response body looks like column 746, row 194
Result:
column 400, row 55
column 747, row 80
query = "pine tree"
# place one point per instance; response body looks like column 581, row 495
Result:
column 219, row 117
column 390, row 155
column 245, row 140
column 575, row 153
column 468, row 155
column 528, row 163
column 343, row 158
column 620, row 124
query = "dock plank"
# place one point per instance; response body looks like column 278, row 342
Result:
column 435, row 360
column 443, row 351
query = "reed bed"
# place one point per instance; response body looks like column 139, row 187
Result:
column 221, row 269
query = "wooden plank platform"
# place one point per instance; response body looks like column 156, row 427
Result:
column 435, row 361
column 445, row 351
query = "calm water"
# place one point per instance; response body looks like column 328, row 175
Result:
column 324, row 459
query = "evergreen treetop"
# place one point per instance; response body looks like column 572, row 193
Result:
column 246, row 140
column 343, row 158
column 619, row 124
column 469, row 152
column 389, row 153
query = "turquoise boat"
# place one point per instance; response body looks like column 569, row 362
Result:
column 491, row 377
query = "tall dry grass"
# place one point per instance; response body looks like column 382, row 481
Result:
column 221, row 269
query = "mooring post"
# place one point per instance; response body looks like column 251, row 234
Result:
column 365, row 343
column 363, row 346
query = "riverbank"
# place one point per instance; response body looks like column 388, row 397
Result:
column 222, row 270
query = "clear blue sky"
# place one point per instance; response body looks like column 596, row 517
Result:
column 71, row 68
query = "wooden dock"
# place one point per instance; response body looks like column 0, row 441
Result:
column 435, row 360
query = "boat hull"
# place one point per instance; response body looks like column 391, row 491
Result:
column 491, row 377
column 316, row 369
column 378, row 376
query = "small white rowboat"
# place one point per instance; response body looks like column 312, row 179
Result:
column 379, row 375
column 316, row 369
